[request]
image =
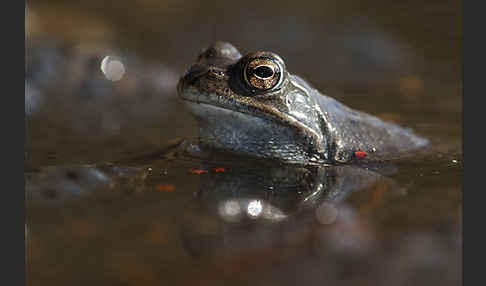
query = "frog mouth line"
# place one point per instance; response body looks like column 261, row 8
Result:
column 270, row 116
column 219, row 108
column 271, row 113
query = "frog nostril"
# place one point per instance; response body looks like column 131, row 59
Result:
column 216, row 73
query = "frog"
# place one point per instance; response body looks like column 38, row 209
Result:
column 253, row 106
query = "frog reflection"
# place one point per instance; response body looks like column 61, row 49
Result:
column 253, row 205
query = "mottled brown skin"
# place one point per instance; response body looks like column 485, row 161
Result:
column 253, row 106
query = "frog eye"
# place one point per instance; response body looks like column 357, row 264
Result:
column 262, row 73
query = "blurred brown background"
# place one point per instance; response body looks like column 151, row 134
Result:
column 322, row 40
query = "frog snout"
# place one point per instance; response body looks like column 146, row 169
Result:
column 194, row 72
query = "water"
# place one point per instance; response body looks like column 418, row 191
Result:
column 111, row 200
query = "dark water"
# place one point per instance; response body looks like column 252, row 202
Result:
column 112, row 199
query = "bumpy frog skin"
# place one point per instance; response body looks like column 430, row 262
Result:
column 252, row 106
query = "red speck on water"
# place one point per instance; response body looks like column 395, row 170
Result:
column 198, row 171
column 164, row 187
column 360, row 154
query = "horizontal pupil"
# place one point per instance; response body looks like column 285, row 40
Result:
column 263, row 71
